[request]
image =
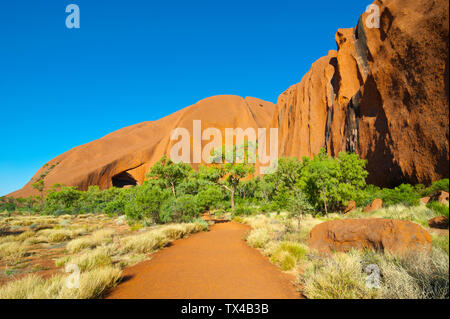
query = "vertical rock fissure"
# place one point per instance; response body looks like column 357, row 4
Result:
column 352, row 124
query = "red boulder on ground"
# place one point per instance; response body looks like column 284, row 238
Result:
column 438, row 222
column 424, row 200
column 395, row 236
column 350, row 207
column 376, row 204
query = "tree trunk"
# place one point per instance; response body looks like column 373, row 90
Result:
column 173, row 189
column 325, row 202
column 299, row 220
column 232, row 201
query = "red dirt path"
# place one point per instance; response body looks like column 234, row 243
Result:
column 216, row 264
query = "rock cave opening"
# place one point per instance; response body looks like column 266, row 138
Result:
column 123, row 179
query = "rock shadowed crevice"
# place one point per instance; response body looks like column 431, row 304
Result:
column 390, row 96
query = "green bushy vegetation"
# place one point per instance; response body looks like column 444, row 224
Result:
column 174, row 192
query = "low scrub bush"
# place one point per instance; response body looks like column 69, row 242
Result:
column 287, row 254
column 337, row 277
column 417, row 275
column 418, row 214
column 439, row 209
column 258, row 238
column 441, row 242
column 283, row 259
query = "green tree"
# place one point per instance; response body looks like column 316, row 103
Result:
column 185, row 208
column 321, row 179
column 266, row 188
column 170, row 174
column 299, row 205
column 288, row 172
column 209, row 197
column 39, row 186
column 331, row 182
column 234, row 163
column 147, row 202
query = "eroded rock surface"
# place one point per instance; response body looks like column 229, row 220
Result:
column 394, row 236
column 383, row 94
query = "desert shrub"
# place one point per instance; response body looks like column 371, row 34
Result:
column 441, row 242
column 116, row 207
column 146, row 204
column 338, row 277
column 200, row 225
column 7, row 204
column 63, row 201
column 209, row 197
column 404, row 194
column 418, row 275
column 244, row 209
column 238, row 219
column 441, row 185
column 283, row 259
column 287, row 254
column 185, row 208
column 297, row 250
column 418, row 214
column 258, row 238
column 439, row 209
column 92, row 201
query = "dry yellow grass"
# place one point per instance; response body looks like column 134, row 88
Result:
column 155, row 239
column 12, row 250
column 99, row 257
column 337, row 277
column 95, row 239
column 99, row 253
column 92, row 285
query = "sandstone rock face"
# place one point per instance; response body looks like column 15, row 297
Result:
column 125, row 156
column 383, row 95
column 375, row 205
column 394, row 236
column 424, row 200
column 441, row 197
column 438, row 222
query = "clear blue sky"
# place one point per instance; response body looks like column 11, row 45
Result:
column 136, row 60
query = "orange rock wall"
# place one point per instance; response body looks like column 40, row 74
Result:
column 383, row 94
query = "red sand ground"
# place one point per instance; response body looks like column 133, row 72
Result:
column 215, row 264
